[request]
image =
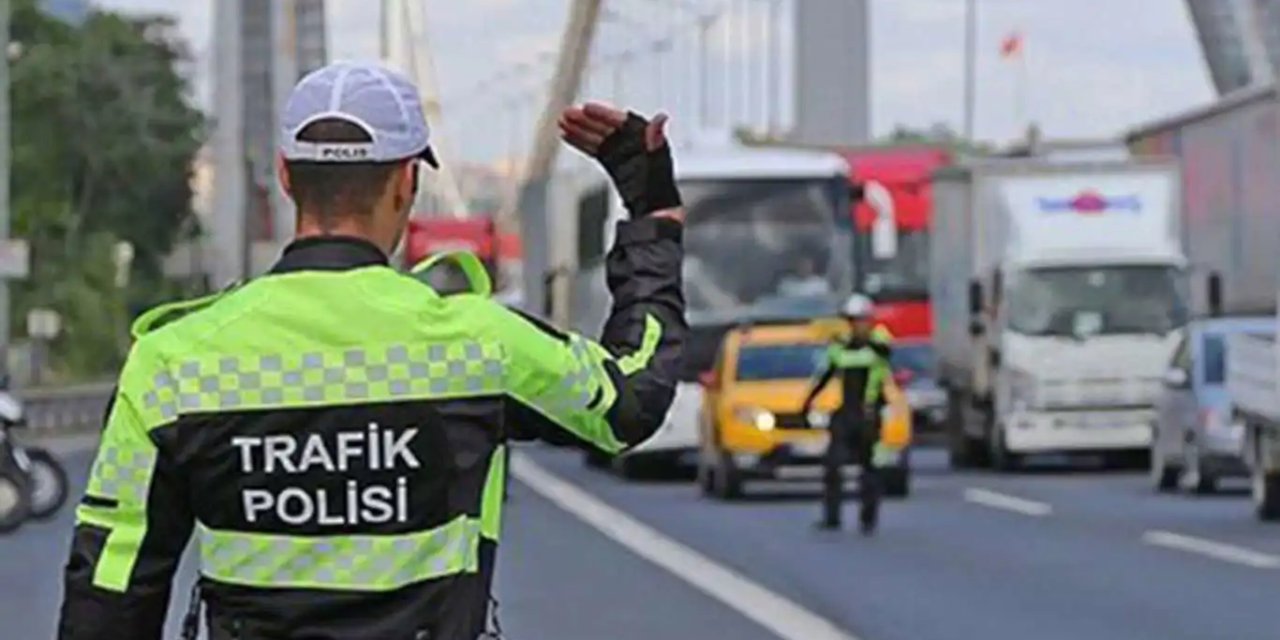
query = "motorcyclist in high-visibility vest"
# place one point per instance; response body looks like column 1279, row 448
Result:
column 861, row 360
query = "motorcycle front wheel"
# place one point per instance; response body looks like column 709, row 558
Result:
column 15, row 500
column 48, row 484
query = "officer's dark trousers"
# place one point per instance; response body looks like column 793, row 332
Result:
column 853, row 439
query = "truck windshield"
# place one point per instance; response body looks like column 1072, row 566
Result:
column 779, row 361
column 903, row 277
column 758, row 249
column 1085, row 301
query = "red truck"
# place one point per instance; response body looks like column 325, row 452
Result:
column 432, row 235
column 897, row 280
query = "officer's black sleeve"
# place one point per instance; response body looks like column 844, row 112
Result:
column 613, row 393
column 827, row 374
column 131, row 529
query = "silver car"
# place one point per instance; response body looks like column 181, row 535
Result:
column 1195, row 442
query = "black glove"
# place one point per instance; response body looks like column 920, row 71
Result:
column 645, row 179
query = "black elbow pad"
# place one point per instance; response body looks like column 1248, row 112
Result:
column 640, row 408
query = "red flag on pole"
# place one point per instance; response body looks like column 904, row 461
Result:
column 1011, row 46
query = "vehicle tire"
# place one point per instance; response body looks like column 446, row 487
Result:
column 630, row 467
column 1266, row 495
column 706, row 479
column 595, row 459
column 1164, row 476
column 726, row 481
column 964, row 452
column 1194, row 478
column 897, row 481
column 48, row 484
column 1002, row 460
column 15, row 500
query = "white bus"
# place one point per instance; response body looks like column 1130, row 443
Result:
column 768, row 237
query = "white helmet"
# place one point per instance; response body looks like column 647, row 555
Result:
column 858, row 307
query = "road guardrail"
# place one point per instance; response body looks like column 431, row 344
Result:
column 78, row 407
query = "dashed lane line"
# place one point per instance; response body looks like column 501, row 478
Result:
column 1005, row 502
column 1209, row 548
column 781, row 616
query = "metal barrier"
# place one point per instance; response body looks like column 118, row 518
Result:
column 65, row 408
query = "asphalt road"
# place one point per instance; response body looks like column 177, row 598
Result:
column 1046, row 555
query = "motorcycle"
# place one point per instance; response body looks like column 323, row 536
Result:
column 33, row 484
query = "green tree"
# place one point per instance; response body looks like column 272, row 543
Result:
column 104, row 136
column 939, row 133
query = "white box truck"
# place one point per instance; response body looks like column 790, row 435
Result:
column 1057, row 292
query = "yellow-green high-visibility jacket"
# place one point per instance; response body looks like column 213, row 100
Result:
column 863, row 368
column 332, row 435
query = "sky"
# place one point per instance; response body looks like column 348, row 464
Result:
column 1091, row 68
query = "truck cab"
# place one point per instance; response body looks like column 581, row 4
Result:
column 1059, row 290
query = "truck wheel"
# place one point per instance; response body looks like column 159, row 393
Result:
column 726, row 481
column 1002, row 459
column 15, row 499
column 964, row 452
column 1266, row 495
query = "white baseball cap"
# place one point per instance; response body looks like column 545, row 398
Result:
column 383, row 103
column 858, row 307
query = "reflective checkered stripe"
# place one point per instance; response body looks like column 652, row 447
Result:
column 342, row 563
column 121, row 476
column 312, row 378
column 579, row 399
column 122, row 473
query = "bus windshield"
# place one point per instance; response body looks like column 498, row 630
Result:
column 764, row 248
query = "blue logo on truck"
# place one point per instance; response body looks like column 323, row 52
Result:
column 1091, row 203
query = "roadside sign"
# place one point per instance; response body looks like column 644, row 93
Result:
column 44, row 324
column 15, row 259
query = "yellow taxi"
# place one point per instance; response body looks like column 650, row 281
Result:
column 751, row 425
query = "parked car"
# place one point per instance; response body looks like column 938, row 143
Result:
column 1195, row 442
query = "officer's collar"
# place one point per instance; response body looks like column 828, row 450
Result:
column 329, row 253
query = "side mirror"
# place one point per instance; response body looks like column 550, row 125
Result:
column 709, row 380
column 1213, row 293
column 884, row 230
column 975, row 297
column 976, row 328
column 1175, row 378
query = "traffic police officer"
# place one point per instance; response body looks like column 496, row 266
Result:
column 333, row 432
column 862, row 363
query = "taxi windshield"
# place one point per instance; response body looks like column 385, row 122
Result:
column 779, row 361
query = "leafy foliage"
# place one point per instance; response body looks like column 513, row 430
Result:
column 104, row 136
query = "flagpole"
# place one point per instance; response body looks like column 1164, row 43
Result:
column 970, row 67
column 1024, row 111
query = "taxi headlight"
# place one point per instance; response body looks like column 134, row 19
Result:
column 761, row 419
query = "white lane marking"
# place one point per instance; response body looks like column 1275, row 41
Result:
column 1215, row 550
column 783, row 617
column 1007, row 502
